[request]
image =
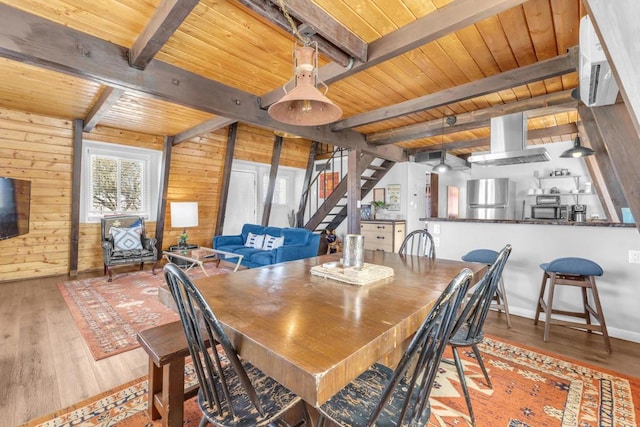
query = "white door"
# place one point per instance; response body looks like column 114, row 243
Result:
column 241, row 202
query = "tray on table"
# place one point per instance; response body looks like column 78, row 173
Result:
column 368, row 273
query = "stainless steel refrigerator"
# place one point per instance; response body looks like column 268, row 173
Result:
column 491, row 198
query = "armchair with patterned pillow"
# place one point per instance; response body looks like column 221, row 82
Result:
column 124, row 242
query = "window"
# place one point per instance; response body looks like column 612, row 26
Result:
column 118, row 179
column 279, row 192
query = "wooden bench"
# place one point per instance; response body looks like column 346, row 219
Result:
column 166, row 346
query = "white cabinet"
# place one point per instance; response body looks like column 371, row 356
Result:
column 383, row 235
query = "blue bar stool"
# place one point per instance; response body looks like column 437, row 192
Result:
column 579, row 272
column 488, row 256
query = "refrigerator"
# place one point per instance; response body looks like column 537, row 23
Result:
column 491, row 198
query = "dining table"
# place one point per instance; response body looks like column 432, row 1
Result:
column 315, row 334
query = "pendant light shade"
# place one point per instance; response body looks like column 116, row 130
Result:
column 441, row 167
column 305, row 105
column 577, row 150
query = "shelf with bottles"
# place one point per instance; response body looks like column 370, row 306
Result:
column 576, row 191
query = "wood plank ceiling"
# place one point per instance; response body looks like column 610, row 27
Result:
column 418, row 51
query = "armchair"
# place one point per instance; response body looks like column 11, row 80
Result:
column 124, row 242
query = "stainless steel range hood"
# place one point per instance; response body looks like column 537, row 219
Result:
column 509, row 144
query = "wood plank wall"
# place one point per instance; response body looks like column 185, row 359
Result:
column 39, row 149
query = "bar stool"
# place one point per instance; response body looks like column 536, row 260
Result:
column 488, row 256
column 579, row 272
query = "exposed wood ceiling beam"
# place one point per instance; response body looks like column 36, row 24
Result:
column 103, row 104
column 35, row 40
column 537, row 71
column 327, row 30
column 616, row 24
column 448, row 19
column 538, row 106
column 566, row 129
column 165, row 21
column 623, row 145
column 205, row 127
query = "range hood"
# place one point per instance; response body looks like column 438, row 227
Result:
column 509, row 144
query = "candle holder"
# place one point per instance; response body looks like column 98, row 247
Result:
column 353, row 250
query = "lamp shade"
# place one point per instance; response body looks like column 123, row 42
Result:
column 577, row 150
column 184, row 214
column 441, row 167
column 305, row 105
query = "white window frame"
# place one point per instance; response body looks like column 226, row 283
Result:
column 152, row 160
column 279, row 179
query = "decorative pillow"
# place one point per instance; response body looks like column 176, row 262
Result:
column 254, row 240
column 272, row 242
column 126, row 239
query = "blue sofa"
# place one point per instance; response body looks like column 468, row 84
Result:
column 298, row 243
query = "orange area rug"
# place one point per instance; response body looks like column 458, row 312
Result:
column 110, row 314
column 529, row 389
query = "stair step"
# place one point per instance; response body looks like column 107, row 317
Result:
column 368, row 178
column 376, row 168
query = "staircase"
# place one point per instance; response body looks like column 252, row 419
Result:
column 323, row 204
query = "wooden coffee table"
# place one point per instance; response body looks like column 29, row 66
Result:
column 198, row 256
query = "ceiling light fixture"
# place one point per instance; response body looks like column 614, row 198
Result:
column 577, row 150
column 304, row 105
column 442, row 167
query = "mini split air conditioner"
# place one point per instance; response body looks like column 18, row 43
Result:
column 597, row 83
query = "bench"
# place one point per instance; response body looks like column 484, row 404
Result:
column 166, row 346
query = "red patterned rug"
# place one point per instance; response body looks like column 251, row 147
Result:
column 110, row 314
column 530, row 389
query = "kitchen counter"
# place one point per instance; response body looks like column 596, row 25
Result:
column 598, row 223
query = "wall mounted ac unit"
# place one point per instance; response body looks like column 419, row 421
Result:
column 597, row 83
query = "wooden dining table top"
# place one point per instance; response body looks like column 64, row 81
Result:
column 314, row 334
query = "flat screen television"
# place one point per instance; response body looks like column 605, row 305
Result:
column 15, row 201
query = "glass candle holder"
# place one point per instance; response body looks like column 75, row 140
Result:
column 353, row 250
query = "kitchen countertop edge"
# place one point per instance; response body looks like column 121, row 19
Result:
column 535, row 222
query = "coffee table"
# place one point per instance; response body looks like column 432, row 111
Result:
column 198, row 256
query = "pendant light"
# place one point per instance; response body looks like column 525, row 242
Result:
column 442, row 167
column 304, row 105
column 577, row 150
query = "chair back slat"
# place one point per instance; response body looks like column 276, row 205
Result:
column 418, row 242
column 419, row 363
column 477, row 306
column 201, row 327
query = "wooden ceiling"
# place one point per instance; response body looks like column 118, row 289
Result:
column 199, row 65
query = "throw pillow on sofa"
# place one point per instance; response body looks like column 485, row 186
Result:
column 254, row 241
column 272, row 242
column 126, row 239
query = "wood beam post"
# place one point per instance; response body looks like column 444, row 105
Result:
column 617, row 129
column 226, row 177
column 311, row 161
column 76, row 180
column 353, row 191
column 273, row 173
column 161, row 215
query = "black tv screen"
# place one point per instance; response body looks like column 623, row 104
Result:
column 15, row 199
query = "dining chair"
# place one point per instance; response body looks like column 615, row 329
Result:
column 468, row 327
column 385, row 397
column 418, row 242
column 232, row 391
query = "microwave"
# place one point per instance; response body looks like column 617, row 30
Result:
column 550, row 212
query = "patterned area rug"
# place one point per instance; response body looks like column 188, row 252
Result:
column 530, row 389
column 110, row 314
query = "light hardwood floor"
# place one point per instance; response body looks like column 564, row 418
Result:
column 45, row 364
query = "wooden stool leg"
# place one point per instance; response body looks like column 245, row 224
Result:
column 549, row 308
column 585, row 302
column 543, row 285
column 173, row 393
column 154, row 386
column 600, row 318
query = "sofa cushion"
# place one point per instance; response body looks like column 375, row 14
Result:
column 263, row 257
column 254, row 240
column 295, row 236
column 251, row 228
column 272, row 242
